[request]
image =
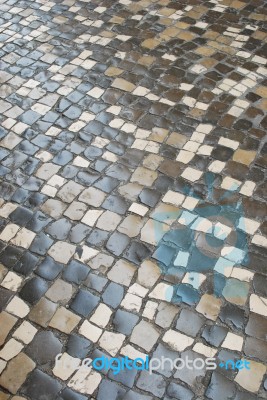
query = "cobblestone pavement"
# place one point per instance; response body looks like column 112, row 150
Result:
column 132, row 196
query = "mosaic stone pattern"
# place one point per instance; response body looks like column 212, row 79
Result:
column 132, row 196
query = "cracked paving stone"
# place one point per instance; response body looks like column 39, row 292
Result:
column 16, row 373
column 233, row 315
column 7, row 323
column 137, row 252
column 116, row 204
column 38, row 222
column 214, row 335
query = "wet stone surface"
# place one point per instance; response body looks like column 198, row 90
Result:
column 132, row 197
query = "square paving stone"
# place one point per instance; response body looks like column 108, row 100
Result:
column 214, row 335
column 84, row 303
column 110, row 390
column 220, row 386
column 44, row 348
column 33, row 290
column 124, row 322
column 42, row 312
column 40, row 385
column 78, row 233
column 151, row 383
column 127, row 378
column 96, row 282
column 10, row 256
column 59, row 229
column 76, row 272
column 189, row 322
column 41, row 244
column 64, row 320
column 21, row 216
column 78, row 346
column 113, row 295
column 97, row 238
column 144, row 335
column 49, row 269
column 60, row 291
column 117, row 243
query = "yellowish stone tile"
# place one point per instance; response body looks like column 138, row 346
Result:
column 261, row 91
column 244, row 156
column 7, row 322
column 150, row 43
column 122, row 84
column 16, row 373
column 64, row 320
column 146, row 60
column 116, row 20
column 250, row 379
column 209, row 306
column 113, row 71
column 205, row 51
column 186, row 35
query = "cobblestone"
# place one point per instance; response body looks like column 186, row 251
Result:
column 132, row 196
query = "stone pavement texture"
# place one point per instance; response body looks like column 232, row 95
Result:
column 132, row 213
